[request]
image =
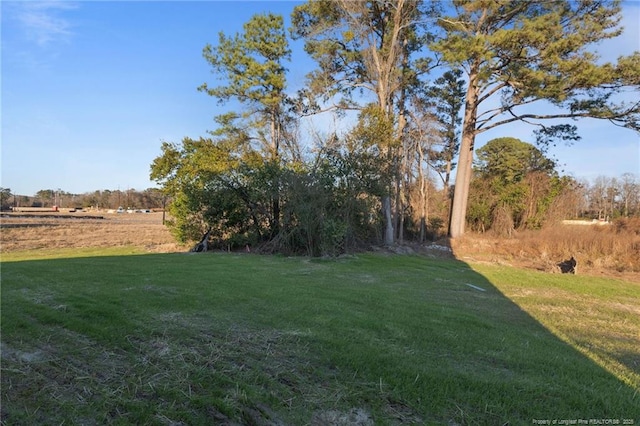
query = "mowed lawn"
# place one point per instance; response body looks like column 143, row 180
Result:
column 116, row 337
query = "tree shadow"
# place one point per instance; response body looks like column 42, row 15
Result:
column 400, row 339
column 585, row 350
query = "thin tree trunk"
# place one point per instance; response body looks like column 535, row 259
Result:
column 275, row 156
column 447, row 179
column 405, row 152
column 388, row 220
column 399, row 204
column 402, row 173
column 423, row 195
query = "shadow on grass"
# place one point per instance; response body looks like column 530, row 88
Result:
column 245, row 339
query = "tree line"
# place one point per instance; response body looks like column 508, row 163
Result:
column 415, row 82
column 151, row 198
column 515, row 186
column 604, row 198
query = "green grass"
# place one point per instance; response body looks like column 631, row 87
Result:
column 222, row 338
column 66, row 253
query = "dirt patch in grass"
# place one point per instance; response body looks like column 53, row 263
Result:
column 16, row 355
column 353, row 417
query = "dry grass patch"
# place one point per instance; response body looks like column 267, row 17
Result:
column 35, row 232
column 612, row 250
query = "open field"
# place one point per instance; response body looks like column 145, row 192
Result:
column 609, row 251
column 182, row 339
column 105, row 320
column 55, row 231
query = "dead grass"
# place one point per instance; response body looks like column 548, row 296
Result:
column 612, row 250
column 38, row 231
column 600, row 250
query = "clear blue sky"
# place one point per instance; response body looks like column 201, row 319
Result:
column 91, row 89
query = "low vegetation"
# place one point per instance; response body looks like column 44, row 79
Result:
column 44, row 233
column 267, row 340
column 599, row 249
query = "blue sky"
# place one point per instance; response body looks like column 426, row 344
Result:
column 91, row 89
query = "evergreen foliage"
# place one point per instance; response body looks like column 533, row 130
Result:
column 529, row 52
column 514, row 186
column 251, row 183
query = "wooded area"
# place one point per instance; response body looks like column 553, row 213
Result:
column 409, row 85
column 423, row 80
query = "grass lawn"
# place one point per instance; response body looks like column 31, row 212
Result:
column 171, row 339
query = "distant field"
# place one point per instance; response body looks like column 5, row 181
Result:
column 117, row 336
column 62, row 230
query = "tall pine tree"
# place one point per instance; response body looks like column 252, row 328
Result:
column 523, row 52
